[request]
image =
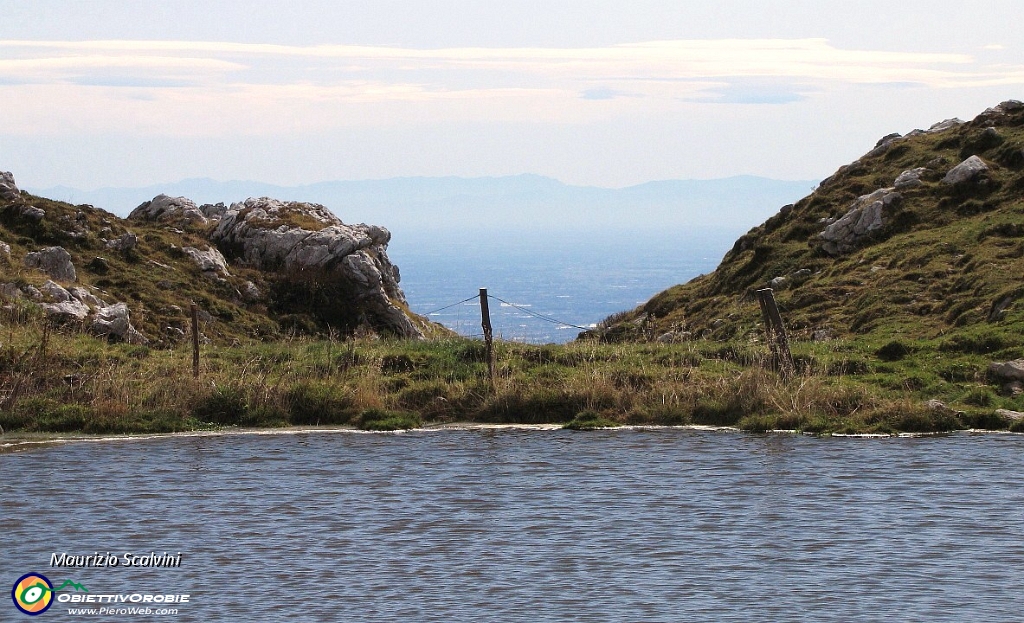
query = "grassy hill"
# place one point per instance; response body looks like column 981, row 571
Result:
column 943, row 272
column 893, row 330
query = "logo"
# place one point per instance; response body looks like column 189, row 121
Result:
column 33, row 593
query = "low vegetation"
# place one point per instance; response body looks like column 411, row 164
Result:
column 56, row 380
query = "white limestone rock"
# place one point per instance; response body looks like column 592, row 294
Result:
column 179, row 210
column 114, row 322
column 126, row 242
column 292, row 237
column 911, row 178
column 55, row 262
column 967, row 171
column 210, row 261
column 863, row 216
column 8, row 189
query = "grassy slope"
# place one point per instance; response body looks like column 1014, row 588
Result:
column 909, row 315
column 924, row 287
column 156, row 280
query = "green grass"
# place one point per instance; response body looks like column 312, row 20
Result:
column 82, row 384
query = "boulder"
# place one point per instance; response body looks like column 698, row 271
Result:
column 294, row 237
column 210, row 261
column 967, row 171
column 54, row 261
column 163, row 208
column 911, row 178
column 1013, row 416
column 126, row 242
column 8, row 189
column 33, row 213
column 863, row 216
column 1008, row 370
column 114, row 322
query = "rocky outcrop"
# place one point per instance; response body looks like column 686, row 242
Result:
column 54, row 261
column 176, row 210
column 863, row 216
column 8, row 189
column 967, row 171
column 294, row 238
column 61, row 304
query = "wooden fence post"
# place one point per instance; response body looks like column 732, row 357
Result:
column 485, row 321
column 195, row 340
column 778, row 342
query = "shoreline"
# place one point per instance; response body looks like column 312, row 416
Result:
column 14, row 442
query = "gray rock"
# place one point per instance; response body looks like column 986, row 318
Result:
column 114, row 322
column 86, row 297
column 210, row 261
column 54, row 261
column 863, row 216
column 911, row 178
column 33, row 213
column 11, row 291
column 1013, row 388
column 778, row 283
column 8, row 189
column 67, row 310
column 5, row 251
column 179, row 210
column 250, row 292
column 966, row 171
column 1009, row 370
column 55, row 293
column 883, row 145
column 1013, row 416
column 213, row 211
column 945, row 125
column 126, row 242
column 291, row 236
column 33, row 293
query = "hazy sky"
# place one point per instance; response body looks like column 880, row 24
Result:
column 110, row 93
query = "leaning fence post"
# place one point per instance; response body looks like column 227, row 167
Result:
column 195, row 340
column 775, row 331
column 485, row 321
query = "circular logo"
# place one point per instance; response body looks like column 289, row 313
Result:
column 32, row 594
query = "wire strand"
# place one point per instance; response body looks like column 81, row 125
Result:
column 440, row 309
column 541, row 316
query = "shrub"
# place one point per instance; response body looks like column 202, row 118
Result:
column 381, row 420
column 224, row 405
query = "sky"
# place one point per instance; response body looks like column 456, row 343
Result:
column 97, row 93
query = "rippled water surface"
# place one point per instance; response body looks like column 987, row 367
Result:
column 514, row 525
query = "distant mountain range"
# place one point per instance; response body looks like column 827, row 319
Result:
column 513, row 202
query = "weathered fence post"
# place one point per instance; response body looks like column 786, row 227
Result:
column 485, row 320
column 774, row 330
column 195, row 340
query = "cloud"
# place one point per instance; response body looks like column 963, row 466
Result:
column 219, row 87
